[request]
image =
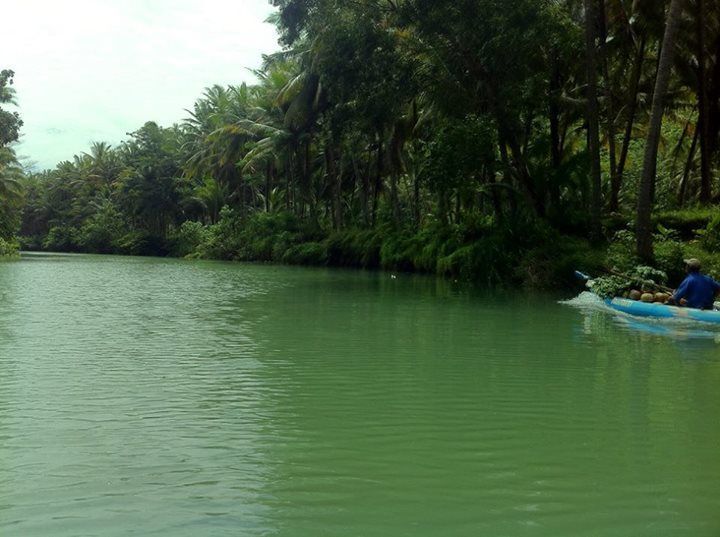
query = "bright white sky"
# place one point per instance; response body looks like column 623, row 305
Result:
column 93, row 70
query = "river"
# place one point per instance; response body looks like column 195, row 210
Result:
column 175, row 398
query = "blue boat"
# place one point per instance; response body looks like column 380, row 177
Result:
column 661, row 311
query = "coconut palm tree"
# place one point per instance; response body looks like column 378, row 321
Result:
column 10, row 122
column 104, row 165
column 591, row 38
column 11, row 174
column 645, row 194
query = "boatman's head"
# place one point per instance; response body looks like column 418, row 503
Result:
column 693, row 265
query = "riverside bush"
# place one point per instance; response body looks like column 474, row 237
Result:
column 102, row 232
column 221, row 240
column 436, row 242
column 524, row 251
column 399, row 251
column 354, row 248
column 309, row 253
column 32, row 243
column 621, row 252
column 554, row 265
column 62, row 239
column 9, row 248
column 669, row 257
column 686, row 222
column 186, row 240
column 259, row 233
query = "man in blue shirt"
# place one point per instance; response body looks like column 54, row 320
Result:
column 697, row 290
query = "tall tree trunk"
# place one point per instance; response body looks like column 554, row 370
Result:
column 591, row 20
column 645, row 205
column 519, row 165
column 555, row 141
column 508, row 136
column 714, row 103
column 608, row 91
column 617, row 180
column 703, row 109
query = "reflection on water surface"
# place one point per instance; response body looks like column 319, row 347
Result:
column 162, row 397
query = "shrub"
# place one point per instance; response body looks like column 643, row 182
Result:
column 309, row 253
column 222, row 240
column 62, row 239
column 669, row 256
column 467, row 263
column 354, row 248
column 369, row 244
column 31, row 243
column 284, row 241
column 554, row 264
column 621, row 252
column 101, row 232
column 486, row 261
column 9, row 248
column 187, row 239
column 438, row 241
column 142, row 243
column 130, row 243
column 398, row 252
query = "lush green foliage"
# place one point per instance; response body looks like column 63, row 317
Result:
column 10, row 122
column 428, row 135
column 640, row 278
column 10, row 170
column 8, row 248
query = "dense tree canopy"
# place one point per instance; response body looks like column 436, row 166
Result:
column 10, row 170
column 10, row 122
column 416, row 134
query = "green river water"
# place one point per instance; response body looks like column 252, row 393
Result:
column 174, row 398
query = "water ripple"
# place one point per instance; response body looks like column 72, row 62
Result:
column 158, row 397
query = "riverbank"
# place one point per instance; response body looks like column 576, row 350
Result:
column 520, row 252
